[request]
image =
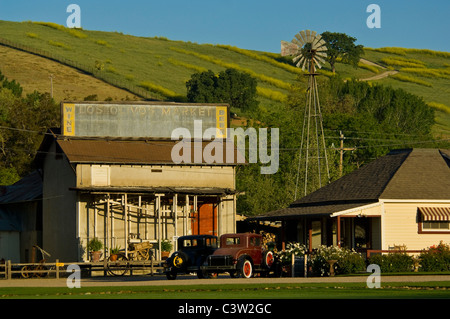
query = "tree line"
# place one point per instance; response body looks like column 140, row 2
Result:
column 23, row 120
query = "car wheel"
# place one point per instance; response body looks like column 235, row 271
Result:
column 171, row 275
column 245, row 268
column 179, row 260
column 268, row 259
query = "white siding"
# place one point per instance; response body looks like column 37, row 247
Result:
column 401, row 226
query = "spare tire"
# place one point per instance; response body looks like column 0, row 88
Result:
column 179, row 260
column 268, row 259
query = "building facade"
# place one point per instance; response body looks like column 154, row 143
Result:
column 123, row 189
column 399, row 200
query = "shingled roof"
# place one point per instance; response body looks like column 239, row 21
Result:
column 403, row 174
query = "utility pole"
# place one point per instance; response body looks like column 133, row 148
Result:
column 342, row 149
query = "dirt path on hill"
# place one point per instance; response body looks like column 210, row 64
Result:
column 378, row 76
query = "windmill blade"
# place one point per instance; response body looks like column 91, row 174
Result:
column 308, row 36
column 319, row 59
column 321, row 45
column 303, row 35
column 316, row 41
column 317, row 63
column 288, row 48
column 297, row 42
column 300, row 60
column 298, row 57
column 304, row 64
column 321, row 54
column 299, row 39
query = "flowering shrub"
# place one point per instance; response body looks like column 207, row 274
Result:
column 291, row 248
column 435, row 258
column 347, row 260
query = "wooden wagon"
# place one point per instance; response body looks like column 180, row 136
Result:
column 119, row 264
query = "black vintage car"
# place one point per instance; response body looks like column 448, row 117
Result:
column 191, row 254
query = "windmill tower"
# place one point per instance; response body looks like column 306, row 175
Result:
column 309, row 51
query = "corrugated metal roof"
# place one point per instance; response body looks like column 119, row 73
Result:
column 27, row 189
column 130, row 152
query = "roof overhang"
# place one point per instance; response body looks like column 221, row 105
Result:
column 205, row 191
column 356, row 210
column 326, row 209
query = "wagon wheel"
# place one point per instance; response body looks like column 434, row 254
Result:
column 143, row 254
column 39, row 271
column 25, row 271
column 119, row 266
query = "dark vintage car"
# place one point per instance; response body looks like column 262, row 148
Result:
column 191, row 254
column 241, row 255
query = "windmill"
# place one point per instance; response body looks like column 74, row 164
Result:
column 309, row 51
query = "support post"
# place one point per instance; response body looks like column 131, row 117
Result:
column 339, row 231
column 158, row 212
column 125, row 217
column 293, row 265
column 305, row 257
column 8, row 269
column 219, row 217
column 186, row 215
column 175, row 219
column 197, row 215
column 107, row 239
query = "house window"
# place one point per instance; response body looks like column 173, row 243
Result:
column 434, row 220
column 436, row 225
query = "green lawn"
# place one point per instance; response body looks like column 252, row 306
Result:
column 400, row 290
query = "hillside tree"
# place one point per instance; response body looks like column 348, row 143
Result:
column 230, row 86
column 342, row 46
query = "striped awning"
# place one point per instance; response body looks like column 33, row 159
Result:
column 435, row 213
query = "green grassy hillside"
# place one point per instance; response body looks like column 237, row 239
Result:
column 157, row 68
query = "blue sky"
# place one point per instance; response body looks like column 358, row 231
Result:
column 252, row 24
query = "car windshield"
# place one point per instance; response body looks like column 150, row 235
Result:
column 191, row 243
column 199, row 242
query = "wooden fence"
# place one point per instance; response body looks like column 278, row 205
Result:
column 390, row 251
column 58, row 269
